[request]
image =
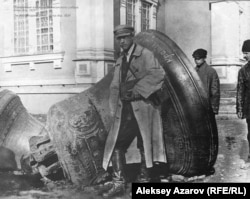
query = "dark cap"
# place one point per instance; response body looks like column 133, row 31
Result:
column 123, row 30
column 200, row 53
column 246, row 46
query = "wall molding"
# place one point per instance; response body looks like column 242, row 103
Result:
column 94, row 54
column 31, row 60
column 226, row 61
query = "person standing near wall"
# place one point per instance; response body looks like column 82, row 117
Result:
column 209, row 78
column 243, row 90
column 137, row 76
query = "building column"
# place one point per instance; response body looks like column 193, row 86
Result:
column 225, row 39
column 229, row 30
column 95, row 49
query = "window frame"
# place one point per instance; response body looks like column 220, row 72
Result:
column 125, row 13
column 21, row 27
column 132, row 15
column 147, row 15
column 44, row 26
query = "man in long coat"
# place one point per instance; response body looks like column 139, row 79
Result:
column 243, row 90
column 137, row 76
column 209, row 78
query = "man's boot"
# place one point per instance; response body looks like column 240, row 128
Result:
column 118, row 180
column 143, row 176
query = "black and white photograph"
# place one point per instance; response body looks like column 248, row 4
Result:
column 112, row 98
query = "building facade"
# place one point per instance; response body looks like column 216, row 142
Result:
column 53, row 49
column 228, row 31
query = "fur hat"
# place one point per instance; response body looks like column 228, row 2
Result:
column 246, row 46
column 200, row 53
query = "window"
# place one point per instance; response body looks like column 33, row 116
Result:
column 130, row 14
column 26, row 42
column 141, row 14
column 145, row 10
column 44, row 26
column 21, row 27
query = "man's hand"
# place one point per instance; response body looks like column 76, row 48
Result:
column 130, row 96
column 127, row 96
column 127, row 86
column 240, row 115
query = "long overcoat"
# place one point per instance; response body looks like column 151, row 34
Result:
column 211, row 82
column 151, row 74
column 243, row 91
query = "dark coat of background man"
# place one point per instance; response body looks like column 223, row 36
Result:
column 137, row 76
column 243, row 90
column 209, row 78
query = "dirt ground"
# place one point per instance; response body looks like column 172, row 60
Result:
column 232, row 165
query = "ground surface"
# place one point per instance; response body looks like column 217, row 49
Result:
column 231, row 166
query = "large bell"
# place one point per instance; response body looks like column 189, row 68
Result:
column 16, row 127
column 78, row 126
